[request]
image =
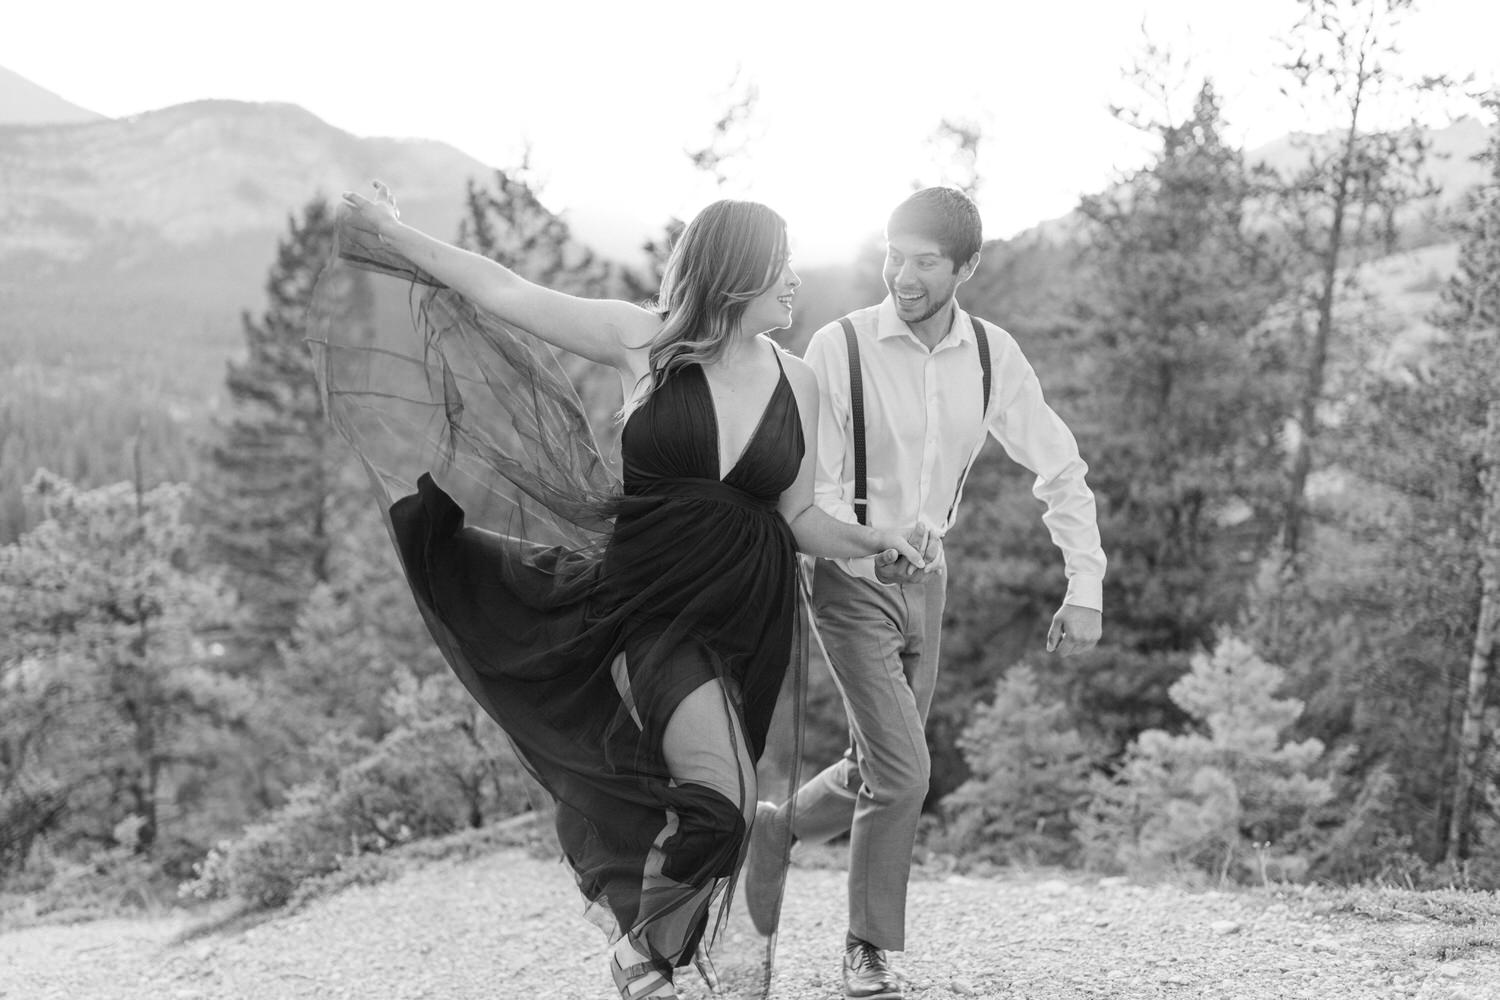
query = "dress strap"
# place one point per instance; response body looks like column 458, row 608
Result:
column 776, row 353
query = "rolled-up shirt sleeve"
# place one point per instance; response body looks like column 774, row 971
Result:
column 828, row 357
column 1036, row 437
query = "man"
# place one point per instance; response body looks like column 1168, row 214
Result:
column 921, row 362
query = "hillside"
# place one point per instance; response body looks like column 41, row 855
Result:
column 24, row 103
column 134, row 244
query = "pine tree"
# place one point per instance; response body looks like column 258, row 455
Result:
column 1030, row 771
column 111, row 694
column 511, row 225
column 1186, row 393
column 1384, row 629
column 1342, row 204
column 272, row 479
column 1231, row 800
column 1471, row 319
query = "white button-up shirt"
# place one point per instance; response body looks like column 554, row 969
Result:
column 923, row 428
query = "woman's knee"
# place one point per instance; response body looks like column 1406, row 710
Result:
column 706, row 844
column 704, row 744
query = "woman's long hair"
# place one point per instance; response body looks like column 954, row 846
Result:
column 730, row 253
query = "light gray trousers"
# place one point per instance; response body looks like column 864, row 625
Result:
column 883, row 642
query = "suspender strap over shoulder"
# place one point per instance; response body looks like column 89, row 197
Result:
column 982, row 341
column 857, row 416
column 857, row 413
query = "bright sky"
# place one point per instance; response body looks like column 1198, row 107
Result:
column 610, row 94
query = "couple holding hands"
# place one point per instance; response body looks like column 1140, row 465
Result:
column 635, row 638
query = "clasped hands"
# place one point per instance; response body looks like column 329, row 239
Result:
column 891, row 566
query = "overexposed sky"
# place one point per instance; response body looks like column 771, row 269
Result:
column 608, row 95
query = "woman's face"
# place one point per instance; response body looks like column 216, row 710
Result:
column 772, row 308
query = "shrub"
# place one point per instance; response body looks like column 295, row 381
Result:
column 1230, row 801
column 439, row 771
column 1030, row 768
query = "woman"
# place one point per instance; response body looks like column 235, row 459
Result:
column 636, row 665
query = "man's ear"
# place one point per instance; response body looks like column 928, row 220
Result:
column 967, row 271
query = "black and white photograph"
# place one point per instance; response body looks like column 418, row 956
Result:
column 781, row 501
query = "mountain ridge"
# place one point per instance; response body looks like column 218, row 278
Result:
column 151, row 233
column 24, row 102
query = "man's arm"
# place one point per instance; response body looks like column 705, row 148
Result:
column 1036, row 437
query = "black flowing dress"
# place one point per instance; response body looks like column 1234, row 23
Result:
column 582, row 648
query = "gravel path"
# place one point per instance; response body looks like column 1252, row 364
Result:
column 491, row 927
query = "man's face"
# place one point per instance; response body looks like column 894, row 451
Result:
column 920, row 279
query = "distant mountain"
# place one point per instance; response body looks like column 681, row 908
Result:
column 24, row 103
column 1450, row 158
column 195, row 173
column 129, row 247
column 1036, row 269
column 1450, row 164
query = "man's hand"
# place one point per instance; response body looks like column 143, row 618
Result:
column 1074, row 630
column 889, row 569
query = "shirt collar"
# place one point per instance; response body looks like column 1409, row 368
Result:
column 888, row 324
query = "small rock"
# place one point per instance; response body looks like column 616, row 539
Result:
column 1222, row 927
column 962, row 987
column 1110, row 881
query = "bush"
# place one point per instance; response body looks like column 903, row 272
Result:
column 109, row 882
column 442, row 769
column 1230, row 802
column 1030, row 768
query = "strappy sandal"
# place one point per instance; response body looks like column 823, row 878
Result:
column 639, row 982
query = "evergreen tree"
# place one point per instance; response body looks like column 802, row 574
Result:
column 1342, row 203
column 1386, row 631
column 1030, row 768
column 1187, row 393
column 356, row 635
column 1471, row 318
column 1230, row 800
column 1158, row 359
column 511, row 225
column 272, row 480
column 112, row 698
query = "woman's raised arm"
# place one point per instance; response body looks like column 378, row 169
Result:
column 608, row 331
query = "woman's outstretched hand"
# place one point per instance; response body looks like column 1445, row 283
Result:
column 372, row 213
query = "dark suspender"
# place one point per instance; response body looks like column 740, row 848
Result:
column 857, row 414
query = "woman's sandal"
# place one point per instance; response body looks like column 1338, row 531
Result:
column 642, row 981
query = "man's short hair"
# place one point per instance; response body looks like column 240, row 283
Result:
column 944, row 215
